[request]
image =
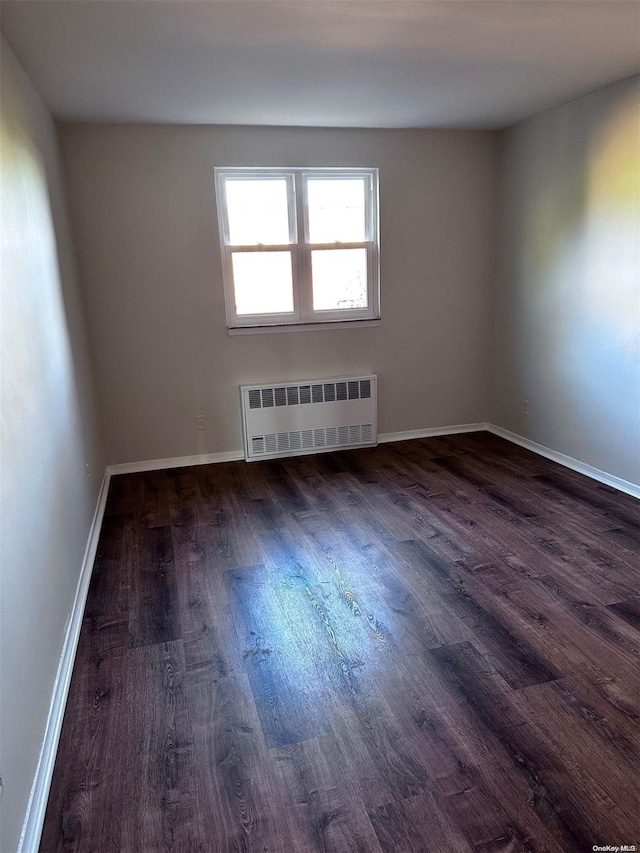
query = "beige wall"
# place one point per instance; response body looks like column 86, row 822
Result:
column 48, row 432
column 567, row 305
column 143, row 213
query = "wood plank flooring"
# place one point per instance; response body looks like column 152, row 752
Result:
column 426, row 647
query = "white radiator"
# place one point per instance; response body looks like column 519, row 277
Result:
column 292, row 418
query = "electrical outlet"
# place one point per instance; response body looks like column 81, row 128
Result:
column 525, row 408
column 201, row 422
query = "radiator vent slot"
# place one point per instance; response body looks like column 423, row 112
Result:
column 287, row 419
column 299, row 395
column 270, row 443
column 283, row 442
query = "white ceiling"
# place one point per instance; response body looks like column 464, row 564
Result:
column 351, row 63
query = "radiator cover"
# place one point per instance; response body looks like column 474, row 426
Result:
column 294, row 418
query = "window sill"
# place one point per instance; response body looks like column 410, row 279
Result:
column 303, row 327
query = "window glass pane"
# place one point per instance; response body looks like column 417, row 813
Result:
column 263, row 282
column 339, row 279
column 336, row 210
column 258, row 211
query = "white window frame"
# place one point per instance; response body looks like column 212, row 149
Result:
column 300, row 247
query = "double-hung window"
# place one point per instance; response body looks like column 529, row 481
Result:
column 299, row 246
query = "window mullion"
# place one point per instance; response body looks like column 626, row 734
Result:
column 261, row 247
column 304, row 255
column 293, row 241
column 336, row 247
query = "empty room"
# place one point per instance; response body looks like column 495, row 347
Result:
column 320, row 426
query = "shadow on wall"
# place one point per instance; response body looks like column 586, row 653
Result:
column 45, row 496
column 585, row 260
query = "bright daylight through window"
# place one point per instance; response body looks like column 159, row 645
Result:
column 298, row 245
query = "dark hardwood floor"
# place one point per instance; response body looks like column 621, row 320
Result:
column 429, row 646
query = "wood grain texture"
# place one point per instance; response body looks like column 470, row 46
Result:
column 425, row 647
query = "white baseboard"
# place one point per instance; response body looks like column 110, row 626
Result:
column 433, row 432
column 34, row 819
column 406, row 435
column 236, row 455
column 561, row 458
column 568, row 461
column 175, row 462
